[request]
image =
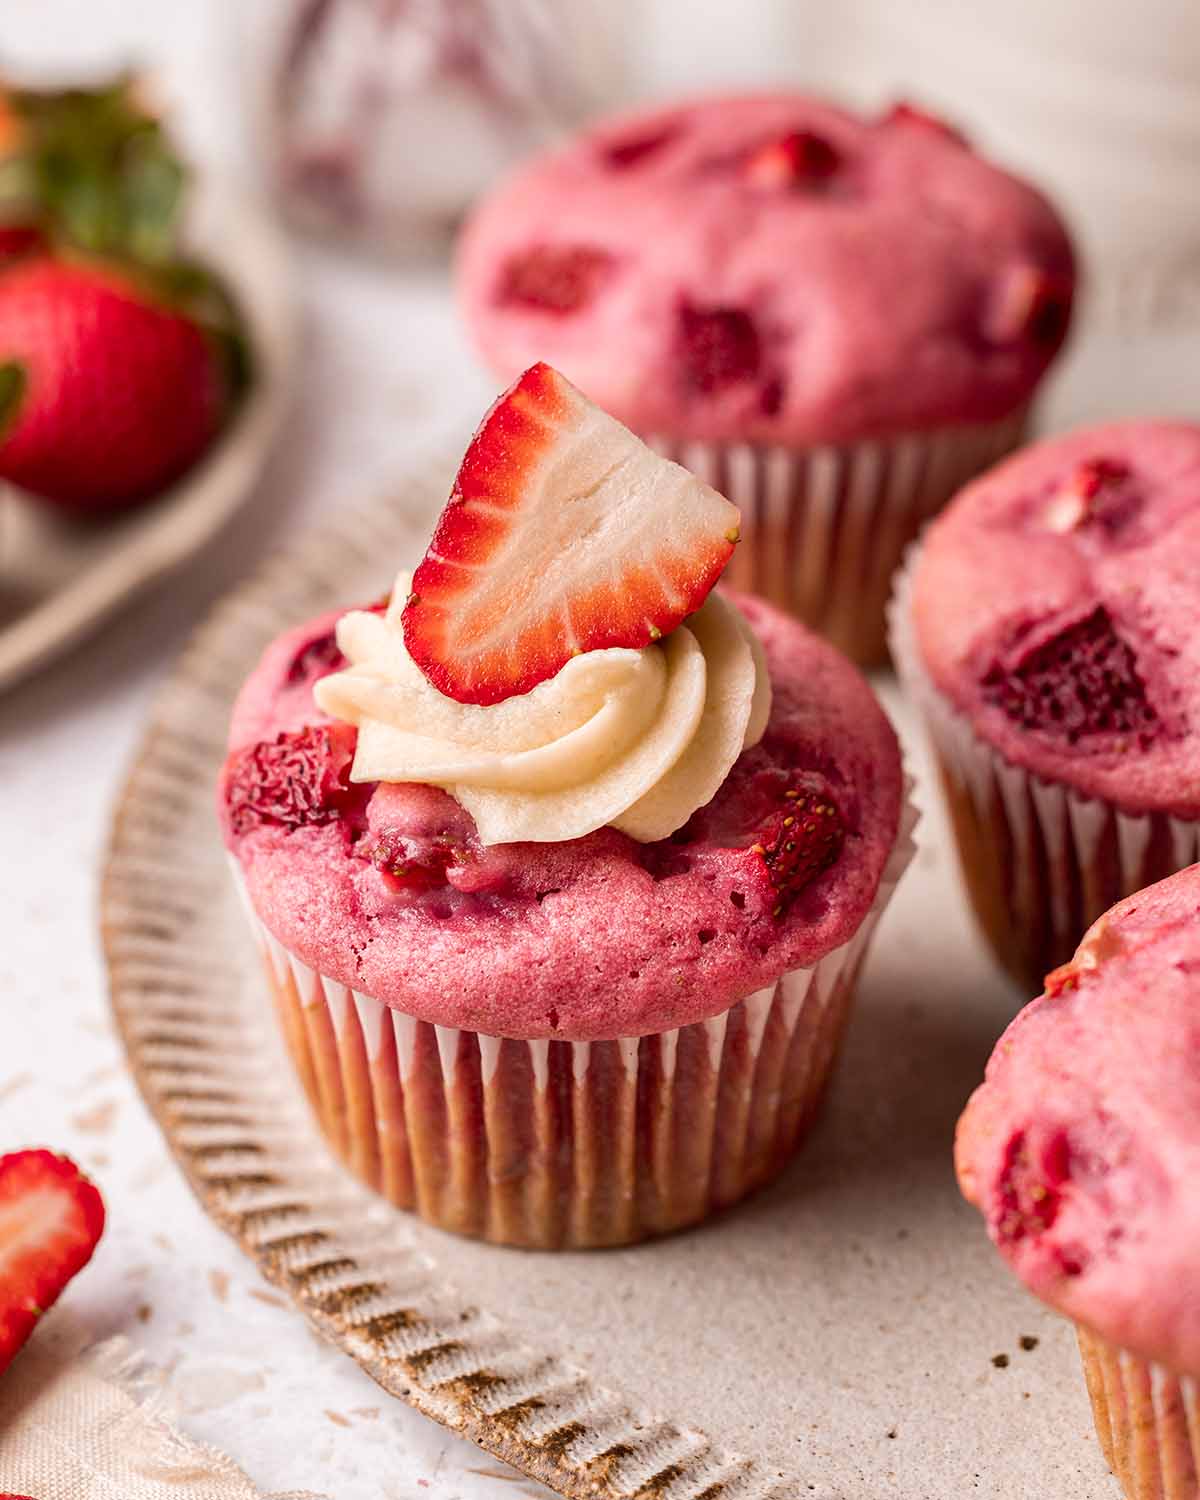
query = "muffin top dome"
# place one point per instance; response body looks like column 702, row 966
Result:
column 772, row 268
column 1082, row 1148
column 593, row 937
column 1055, row 605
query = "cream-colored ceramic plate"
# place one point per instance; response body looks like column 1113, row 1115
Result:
column 847, row 1334
column 59, row 579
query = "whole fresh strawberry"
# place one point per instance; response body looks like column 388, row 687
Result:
column 106, row 393
column 51, row 1218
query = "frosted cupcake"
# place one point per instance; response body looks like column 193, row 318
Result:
column 563, row 864
column 1046, row 627
column 1082, row 1152
column 834, row 320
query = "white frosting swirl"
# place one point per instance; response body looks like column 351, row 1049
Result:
column 635, row 739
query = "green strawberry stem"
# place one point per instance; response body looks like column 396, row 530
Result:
column 96, row 170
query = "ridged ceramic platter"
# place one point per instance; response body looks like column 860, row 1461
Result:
column 847, row 1333
column 58, row 578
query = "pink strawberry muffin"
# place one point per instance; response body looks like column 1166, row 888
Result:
column 563, row 864
column 1047, row 629
column 835, row 320
column 1082, row 1152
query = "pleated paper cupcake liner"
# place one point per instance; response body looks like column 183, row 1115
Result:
column 825, row 528
column 1040, row 861
column 1147, row 1419
column 552, row 1144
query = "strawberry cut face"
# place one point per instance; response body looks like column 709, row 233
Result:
column 564, row 533
column 51, row 1218
column 1081, row 686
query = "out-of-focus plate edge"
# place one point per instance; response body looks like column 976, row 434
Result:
column 120, row 559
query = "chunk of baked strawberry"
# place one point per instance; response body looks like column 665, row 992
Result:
column 1026, row 1198
column 911, row 115
column 1097, row 491
column 1082, row 686
column 564, row 533
column 296, row 779
column 769, row 841
column 1031, row 305
column 799, row 842
column 318, row 658
column 800, row 159
column 630, row 150
column 554, row 278
column 51, row 1218
column 717, row 346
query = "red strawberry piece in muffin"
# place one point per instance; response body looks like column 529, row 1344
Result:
column 906, row 115
column 801, row 159
column 298, row 779
column 555, row 279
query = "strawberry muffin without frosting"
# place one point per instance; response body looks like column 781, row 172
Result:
column 835, row 320
column 1046, row 627
column 564, row 866
column 1082, row 1152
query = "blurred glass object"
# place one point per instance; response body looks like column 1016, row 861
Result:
column 1098, row 101
column 381, row 120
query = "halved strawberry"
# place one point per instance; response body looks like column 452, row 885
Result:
column 51, row 1217
column 564, row 533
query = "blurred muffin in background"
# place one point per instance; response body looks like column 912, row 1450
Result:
column 1046, row 630
column 835, row 320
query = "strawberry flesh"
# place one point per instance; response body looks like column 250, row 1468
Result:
column 771, row 833
column 564, row 534
column 554, row 279
column 1027, row 1195
column 317, row 659
column 717, row 346
column 298, row 779
column 1032, row 305
column 800, row 159
column 633, row 149
column 801, row 841
column 51, row 1218
column 1081, row 685
column 903, row 113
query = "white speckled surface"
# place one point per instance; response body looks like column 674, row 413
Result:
column 387, row 373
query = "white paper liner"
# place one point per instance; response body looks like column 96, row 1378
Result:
column 1147, row 1419
column 825, row 528
column 1041, row 861
column 560, row 1143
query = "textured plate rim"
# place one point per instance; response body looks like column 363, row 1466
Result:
column 255, row 259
